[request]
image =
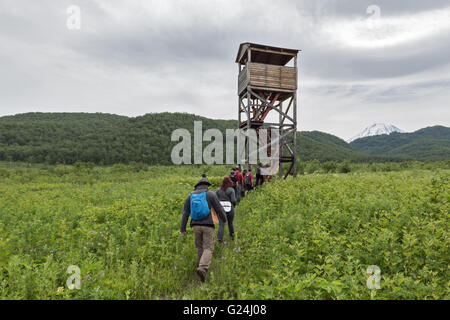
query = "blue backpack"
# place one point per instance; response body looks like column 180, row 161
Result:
column 199, row 206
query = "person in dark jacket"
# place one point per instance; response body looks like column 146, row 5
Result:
column 240, row 184
column 203, row 229
column 234, row 179
column 227, row 198
column 259, row 176
column 248, row 181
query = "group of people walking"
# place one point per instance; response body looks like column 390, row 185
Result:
column 207, row 208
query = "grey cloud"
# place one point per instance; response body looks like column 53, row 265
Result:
column 186, row 63
column 388, row 7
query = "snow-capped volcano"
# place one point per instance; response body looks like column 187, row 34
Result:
column 375, row 130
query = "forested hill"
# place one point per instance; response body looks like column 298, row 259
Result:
column 99, row 138
column 108, row 139
column 432, row 143
column 326, row 147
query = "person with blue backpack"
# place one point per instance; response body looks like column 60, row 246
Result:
column 198, row 206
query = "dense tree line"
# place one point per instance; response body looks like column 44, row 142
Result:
column 99, row 138
column 106, row 139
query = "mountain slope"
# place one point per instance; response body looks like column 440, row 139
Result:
column 325, row 147
column 432, row 143
column 108, row 139
column 375, row 130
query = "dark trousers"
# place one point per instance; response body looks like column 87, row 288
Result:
column 259, row 179
column 238, row 193
column 230, row 218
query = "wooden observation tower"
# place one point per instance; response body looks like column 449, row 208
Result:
column 267, row 86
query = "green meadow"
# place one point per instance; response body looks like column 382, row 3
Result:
column 312, row 237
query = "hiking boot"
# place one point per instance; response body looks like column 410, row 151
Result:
column 201, row 274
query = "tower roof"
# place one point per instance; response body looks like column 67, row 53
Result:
column 265, row 54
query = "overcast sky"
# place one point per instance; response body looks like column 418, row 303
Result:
column 139, row 56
